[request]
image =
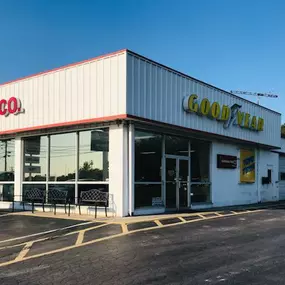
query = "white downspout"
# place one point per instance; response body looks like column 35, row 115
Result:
column 131, row 164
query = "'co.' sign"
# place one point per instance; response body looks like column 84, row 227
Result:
column 10, row 106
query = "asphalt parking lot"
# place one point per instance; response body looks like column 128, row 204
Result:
column 15, row 226
column 245, row 248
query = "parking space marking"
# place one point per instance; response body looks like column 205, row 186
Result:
column 158, row 223
column 24, row 251
column 181, row 219
column 46, row 238
column 22, row 256
column 47, row 232
column 80, row 237
column 124, row 228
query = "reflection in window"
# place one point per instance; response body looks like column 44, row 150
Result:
column 148, row 195
column 200, row 161
column 35, row 158
column 70, row 188
column 7, row 192
column 7, row 158
column 148, row 154
column 94, row 155
column 62, row 157
column 200, row 193
column 176, row 145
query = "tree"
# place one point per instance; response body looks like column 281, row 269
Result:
column 87, row 166
column 283, row 130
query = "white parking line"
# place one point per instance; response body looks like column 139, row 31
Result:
column 46, row 232
column 4, row 215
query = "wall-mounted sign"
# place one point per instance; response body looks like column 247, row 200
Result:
column 11, row 106
column 32, row 169
column 228, row 115
column 247, row 166
column 226, row 161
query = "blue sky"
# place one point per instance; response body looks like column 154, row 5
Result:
column 232, row 44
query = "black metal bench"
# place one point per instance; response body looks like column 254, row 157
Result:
column 56, row 196
column 96, row 197
column 34, row 195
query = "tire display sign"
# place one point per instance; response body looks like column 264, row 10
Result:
column 247, row 166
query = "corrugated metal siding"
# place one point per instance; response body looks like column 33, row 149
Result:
column 89, row 90
column 156, row 93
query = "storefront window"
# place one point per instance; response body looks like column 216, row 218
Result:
column 176, row 145
column 6, row 192
column 148, row 155
column 200, row 193
column 148, row 158
column 200, row 172
column 7, row 160
column 94, row 155
column 35, row 158
column 148, row 195
column 62, row 157
column 200, row 161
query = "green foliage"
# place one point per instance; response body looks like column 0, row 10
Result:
column 283, row 130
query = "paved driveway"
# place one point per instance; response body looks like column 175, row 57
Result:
column 240, row 249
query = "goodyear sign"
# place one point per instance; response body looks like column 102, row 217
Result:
column 247, row 166
column 228, row 115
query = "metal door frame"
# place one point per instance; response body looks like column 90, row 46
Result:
column 177, row 159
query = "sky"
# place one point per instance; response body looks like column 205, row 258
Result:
column 232, row 44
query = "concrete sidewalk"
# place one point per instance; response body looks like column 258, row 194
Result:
column 135, row 219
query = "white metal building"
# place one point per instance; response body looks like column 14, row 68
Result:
column 156, row 139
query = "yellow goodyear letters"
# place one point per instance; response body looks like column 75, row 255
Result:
column 222, row 113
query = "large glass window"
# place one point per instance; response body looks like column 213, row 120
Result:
column 59, row 157
column 6, row 192
column 148, row 155
column 35, row 158
column 176, row 145
column 94, row 155
column 200, row 161
column 148, row 160
column 200, row 172
column 7, row 160
column 62, row 157
column 148, row 195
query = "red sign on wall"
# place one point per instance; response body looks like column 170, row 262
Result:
column 11, row 106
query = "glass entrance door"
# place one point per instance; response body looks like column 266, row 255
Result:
column 177, row 182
